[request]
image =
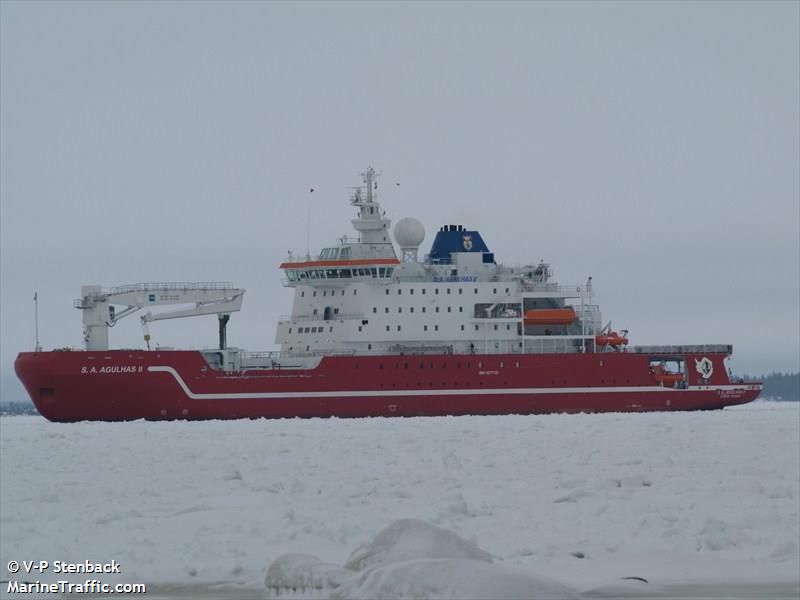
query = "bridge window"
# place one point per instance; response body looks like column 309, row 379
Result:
column 411, row 309
column 387, row 328
column 374, row 309
column 399, row 291
column 399, row 309
column 462, row 328
column 290, row 330
column 436, row 291
column 423, row 309
column 476, row 290
column 387, row 291
column 436, row 328
column 423, row 291
column 411, row 291
column 448, row 290
column 387, row 309
column 424, row 328
column 437, row 309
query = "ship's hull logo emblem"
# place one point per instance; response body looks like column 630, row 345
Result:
column 467, row 241
column 704, row 366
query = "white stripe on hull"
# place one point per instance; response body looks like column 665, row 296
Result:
column 438, row 392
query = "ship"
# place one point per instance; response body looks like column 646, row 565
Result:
column 375, row 332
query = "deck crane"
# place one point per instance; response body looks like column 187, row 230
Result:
column 99, row 306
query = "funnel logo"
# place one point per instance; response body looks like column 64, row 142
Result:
column 704, row 366
column 467, row 241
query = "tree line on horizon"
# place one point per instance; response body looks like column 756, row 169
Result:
column 778, row 386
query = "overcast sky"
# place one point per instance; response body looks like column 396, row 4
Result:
column 653, row 146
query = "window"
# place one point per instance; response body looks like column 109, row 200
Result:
column 508, row 327
column 374, row 309
column 411, row 309
column 315, row 311
column 437, row 309
column 398, row 328
column 359, row 327
column 460, row 290
column 449, row 309
column 476, row 328
column 424, row 328
column 387, row 291
column 355, row 292
column 423, row 309
column 324, row 294
column 315, row 294
column 436, row 291
column 399, row 291
column 476, row 290
column 369, row 347
column 423, row 291
column 495, row 326
column 290, row 330
column 494, row 290
column 462, row 328
column 387, row 309
column 302, row 294
column 436, row 328
column 411, row 291
column 399, row 309
column 330, row 329
column 387, row 328
column 506, row 291
column 448, row 290
column 342, row 292
column 460, row 309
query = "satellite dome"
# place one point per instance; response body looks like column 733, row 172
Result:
column 409, row 232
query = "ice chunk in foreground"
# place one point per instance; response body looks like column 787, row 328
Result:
column 302, row 575
column 408, row 559
column 410, row 539
column 435, row 578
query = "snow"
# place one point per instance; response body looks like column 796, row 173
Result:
column 583, row 499
column 408, row 559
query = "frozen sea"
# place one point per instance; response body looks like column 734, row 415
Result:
column 688, row 501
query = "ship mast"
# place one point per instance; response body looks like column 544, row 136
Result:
column 372, row 228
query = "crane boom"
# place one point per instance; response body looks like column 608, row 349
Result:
column 99, row 312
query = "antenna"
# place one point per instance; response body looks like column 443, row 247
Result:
column 308, row 226
column 38, row 347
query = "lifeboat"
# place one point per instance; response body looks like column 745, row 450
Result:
column 550, row 316
column 612, row 338
column 662, row 375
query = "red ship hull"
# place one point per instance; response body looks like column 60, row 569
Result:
column 118, row 385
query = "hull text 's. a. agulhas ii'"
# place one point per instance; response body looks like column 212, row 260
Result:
column 376, row 334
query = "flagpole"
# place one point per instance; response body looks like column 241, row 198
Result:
column 36, row 319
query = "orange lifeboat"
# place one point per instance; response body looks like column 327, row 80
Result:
column 662, row 375
column 550, row 316
column 612, row 338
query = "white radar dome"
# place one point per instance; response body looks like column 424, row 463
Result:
column 409, row 232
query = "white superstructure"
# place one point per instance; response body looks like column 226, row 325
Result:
column 359, row 298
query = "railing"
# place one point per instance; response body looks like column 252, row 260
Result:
column 685, row 349
column 170, row 286
column 331, row 317
column 570, row 291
